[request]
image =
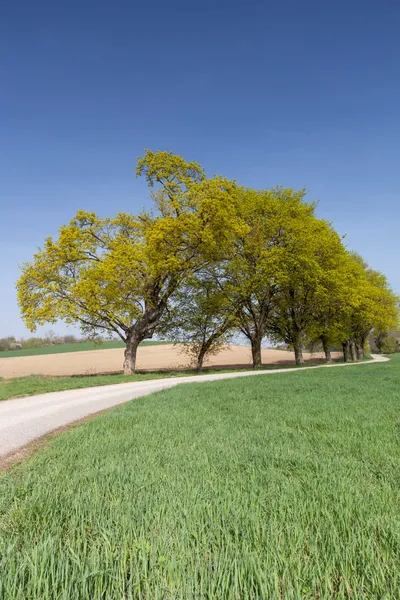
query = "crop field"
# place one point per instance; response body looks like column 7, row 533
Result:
column 151, row 357
column 278, row 488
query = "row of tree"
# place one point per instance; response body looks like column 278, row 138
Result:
column 211, row 258
column 50, row 339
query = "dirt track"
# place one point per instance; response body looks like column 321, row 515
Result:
column 22, row 420
column 149, row 358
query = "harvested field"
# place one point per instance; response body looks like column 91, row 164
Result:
column 150, row 358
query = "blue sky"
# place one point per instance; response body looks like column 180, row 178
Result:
column 293, row 93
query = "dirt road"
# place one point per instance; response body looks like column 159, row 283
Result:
column 25, row 419
column 165, row 356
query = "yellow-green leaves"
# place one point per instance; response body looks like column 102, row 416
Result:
column 94, row 274
column 373, row 305
column 172, row 177
column 267, row 254
column 117, row 274
column 276, row 269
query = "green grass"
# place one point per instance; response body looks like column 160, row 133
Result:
column 78, row 347
column 40, row 384
column 283, row 487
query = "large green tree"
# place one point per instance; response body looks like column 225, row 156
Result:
column 200, row 317
column 116, row 275
column 333, row 311
column 359, row 301
column 374, row 306
column 216, row 254
column 312, row 251
column 257, row 268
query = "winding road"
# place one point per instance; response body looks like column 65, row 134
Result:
column 23, row 420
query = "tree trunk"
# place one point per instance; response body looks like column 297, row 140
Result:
column 298, row 354
column 325, row 345
column 130, row 355
column 352, row 351
column 256, row 352
column 200, row 360
column 143, row 329
column 360, row 351
column 345, row 347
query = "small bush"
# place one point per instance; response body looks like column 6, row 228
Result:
column 367, row 349
column 33, row 342
column 6, row 343
column 71, row 339
column 388, row 345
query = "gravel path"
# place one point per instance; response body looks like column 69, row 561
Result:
column 23, row 420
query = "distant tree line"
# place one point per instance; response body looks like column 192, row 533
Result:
column 212, row 258
column 50, row 339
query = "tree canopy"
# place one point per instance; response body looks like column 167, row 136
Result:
column 210, row 258
column 117, row 274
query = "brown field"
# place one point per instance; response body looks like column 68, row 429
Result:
column 150, row 358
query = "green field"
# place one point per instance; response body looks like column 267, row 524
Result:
column 78, row 347
column 276, row 488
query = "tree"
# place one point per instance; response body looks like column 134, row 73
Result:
column 116, row 275
column 98, row 273
column 7, row 343
column 252, row 275
column 312, row 250
column 374, row 306
column 200, row 318
column 332, row 316
column 363, row 302
column 386, row 343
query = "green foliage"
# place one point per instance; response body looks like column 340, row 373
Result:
column 7, row 343
column 116, row 275
column 86, row 275
column 200, row 318
column 367, row 349
column 258, row 267
column 310, row 282
column 80, row 346
column 375, row 305
column 274, row 269
column 236, row 489
column 386, row 343
column 10, row 346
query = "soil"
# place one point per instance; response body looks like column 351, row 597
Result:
column 150, row 358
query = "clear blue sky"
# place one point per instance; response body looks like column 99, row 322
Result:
column 294, row 93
